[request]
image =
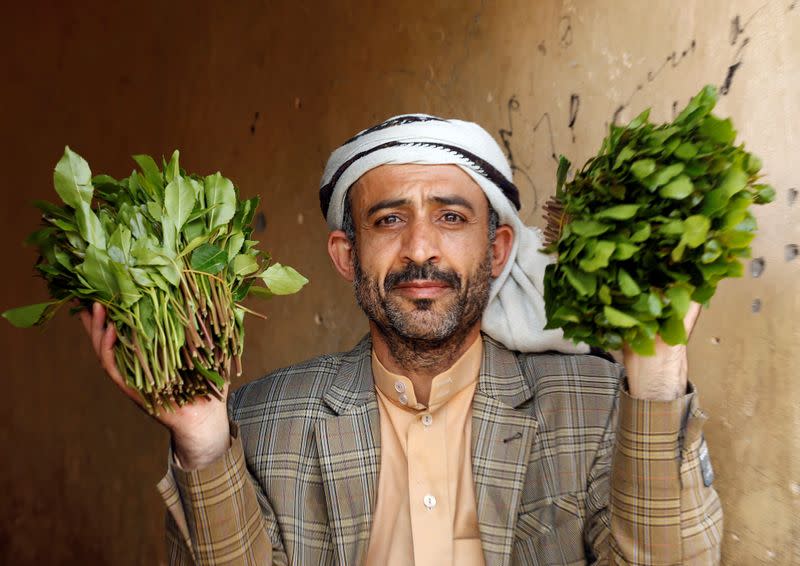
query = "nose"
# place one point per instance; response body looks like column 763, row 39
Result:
column 421, row 243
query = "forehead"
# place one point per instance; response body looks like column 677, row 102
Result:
column 414, row 181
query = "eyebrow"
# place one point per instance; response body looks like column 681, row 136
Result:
column 447, row 200
column 387, row 203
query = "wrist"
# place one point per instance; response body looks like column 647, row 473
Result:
column 663, row 377
column 202, row 445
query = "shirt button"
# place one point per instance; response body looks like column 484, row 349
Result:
column 429, row 501
column 399, row 386
column 427, row 419
column 403, row 399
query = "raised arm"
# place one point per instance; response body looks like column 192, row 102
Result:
column 650, row 494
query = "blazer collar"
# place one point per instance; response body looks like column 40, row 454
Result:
column 353, row 386
column 501, row 375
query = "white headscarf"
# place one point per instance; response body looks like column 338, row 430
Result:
column 515, row 315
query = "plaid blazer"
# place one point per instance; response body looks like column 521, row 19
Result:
column 568, row 469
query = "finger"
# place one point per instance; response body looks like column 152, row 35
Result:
column 110, row 365
column 86, row 320
column 98, row 327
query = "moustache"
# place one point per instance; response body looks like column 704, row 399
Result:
column 424, row 272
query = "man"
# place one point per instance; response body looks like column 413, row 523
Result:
column 458, row 431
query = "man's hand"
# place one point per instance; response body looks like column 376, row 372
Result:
column 661, row 377
column 200, row 430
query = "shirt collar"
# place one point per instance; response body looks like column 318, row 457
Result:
column 400, row 390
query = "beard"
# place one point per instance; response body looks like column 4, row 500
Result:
column 424, row 333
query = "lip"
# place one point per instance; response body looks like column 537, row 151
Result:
column 422, row 289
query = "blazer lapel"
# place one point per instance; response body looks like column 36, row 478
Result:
column 501, row 445
column 349, row 454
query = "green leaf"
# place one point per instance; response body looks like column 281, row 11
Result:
column 680, row 298
column 735, row 180
column 643, row 168
column 627, row 284
column 640, row 120
column 678, row 188
column 664, row 175
column 619, row 318
column 687, row 150
column 241, row 292
column 714, row 201
column 72, row 179
column 654, row 304
column 641, row 232
column 221, row 198
column 179, row 200
column 736, row 238
column 695, row 230
column 209, row 259
column 566, row 314
column 625, row 251
column 700, row 105
column 584, row 283
column 765, row 194
column 172, row 170
column 643, row 344
column 170, row 273
column 98, row 273
column 673, row 331
column 619, row 212
column 604, row 294
column 120, row 240
column 753, row 164
column 128, row 292
column 282, row 279
column 599, row 258
column 146, row 252
column 234, row 245
column 711, row 251
column 244, row 213
column 703, row 293
column 29, row 315
column 588, row 228
column 244, row 264
column 141, row 276
column 150, row 170
column 623, row 156
column 720, row 131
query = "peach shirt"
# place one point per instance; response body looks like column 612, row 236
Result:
column 426, row 512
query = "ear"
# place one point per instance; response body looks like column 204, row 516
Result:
column 341, row 251
column 501, row 248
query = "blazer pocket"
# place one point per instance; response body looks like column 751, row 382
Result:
column 550, row 533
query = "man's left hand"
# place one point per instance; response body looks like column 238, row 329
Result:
column 662, row 377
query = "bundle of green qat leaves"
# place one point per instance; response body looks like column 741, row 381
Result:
column 170, row 256
column 653, row 222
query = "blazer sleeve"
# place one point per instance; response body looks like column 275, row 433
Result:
column 650, row 499
column 219, row 514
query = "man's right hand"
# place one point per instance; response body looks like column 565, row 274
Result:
column 200, row 430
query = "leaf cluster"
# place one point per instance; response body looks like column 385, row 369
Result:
column 654, row 221
column 170, row 255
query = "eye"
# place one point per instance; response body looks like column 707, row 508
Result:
column 387, row 220
column 452, row 217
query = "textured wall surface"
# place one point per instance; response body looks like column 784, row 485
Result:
column 264, row 93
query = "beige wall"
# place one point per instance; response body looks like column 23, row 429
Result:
column 81, row 464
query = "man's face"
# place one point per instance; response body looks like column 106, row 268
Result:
column 422, row 260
